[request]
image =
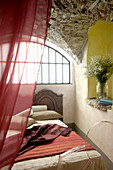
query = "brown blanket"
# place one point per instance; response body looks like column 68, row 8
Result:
column 56, row 146
column 40, row 134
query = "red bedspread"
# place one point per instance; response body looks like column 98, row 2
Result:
column 56, row 146
column 39, row 135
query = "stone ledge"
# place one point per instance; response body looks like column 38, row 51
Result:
column 94, row 103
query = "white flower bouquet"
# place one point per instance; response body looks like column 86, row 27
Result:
column 100, row 67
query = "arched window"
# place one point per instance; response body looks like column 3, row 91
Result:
column 55, row 68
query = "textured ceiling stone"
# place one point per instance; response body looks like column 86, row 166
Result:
column 71, row 19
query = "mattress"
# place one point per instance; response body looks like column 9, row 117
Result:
column 75, row 160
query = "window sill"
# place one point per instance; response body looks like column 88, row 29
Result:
column 94, row 103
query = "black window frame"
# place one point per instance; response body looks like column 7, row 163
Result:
column 55, row 63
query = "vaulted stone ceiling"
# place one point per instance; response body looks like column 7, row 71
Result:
column 71, row 19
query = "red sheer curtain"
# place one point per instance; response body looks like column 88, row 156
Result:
column 23, row 31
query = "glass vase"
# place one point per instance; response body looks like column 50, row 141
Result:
column 102, row 91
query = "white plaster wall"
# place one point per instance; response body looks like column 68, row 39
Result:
column 86, row 116
column 68, row 91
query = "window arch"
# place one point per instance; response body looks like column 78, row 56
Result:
column 55, row 68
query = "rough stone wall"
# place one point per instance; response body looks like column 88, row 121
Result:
column 71, row 19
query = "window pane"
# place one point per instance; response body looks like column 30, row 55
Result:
column 30, row 71
column 65, row 60
column 52, row 73
column 22, row 52
column 65, row 73
column 37, row 68
column 31, row 52
column 39, row 51
column 39, row 76
column 58, row 58
column 44, row 73
column 51, row 55
column 55, row 68
column 59, row 73
column 45, row 55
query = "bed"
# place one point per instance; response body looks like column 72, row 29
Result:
column 47, row 110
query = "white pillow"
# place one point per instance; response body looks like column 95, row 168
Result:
column 30, row 121
column 31, row 113
column 37, row 108
column 46, row 115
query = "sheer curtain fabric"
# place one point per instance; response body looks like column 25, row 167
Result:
column 23, row 31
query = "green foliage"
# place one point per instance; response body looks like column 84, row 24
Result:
column 100, row 67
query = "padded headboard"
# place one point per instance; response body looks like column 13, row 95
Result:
column 49, row 98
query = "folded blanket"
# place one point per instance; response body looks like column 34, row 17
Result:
column 105, row 102
column 38, row 135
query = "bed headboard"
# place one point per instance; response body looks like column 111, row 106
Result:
column 49, row 98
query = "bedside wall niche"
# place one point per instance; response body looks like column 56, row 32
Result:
column 94, row 103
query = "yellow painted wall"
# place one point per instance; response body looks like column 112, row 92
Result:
column 100, row 42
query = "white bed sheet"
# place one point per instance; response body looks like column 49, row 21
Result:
column 53, row 121
column 73, row 161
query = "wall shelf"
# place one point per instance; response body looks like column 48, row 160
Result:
column 94, row 103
